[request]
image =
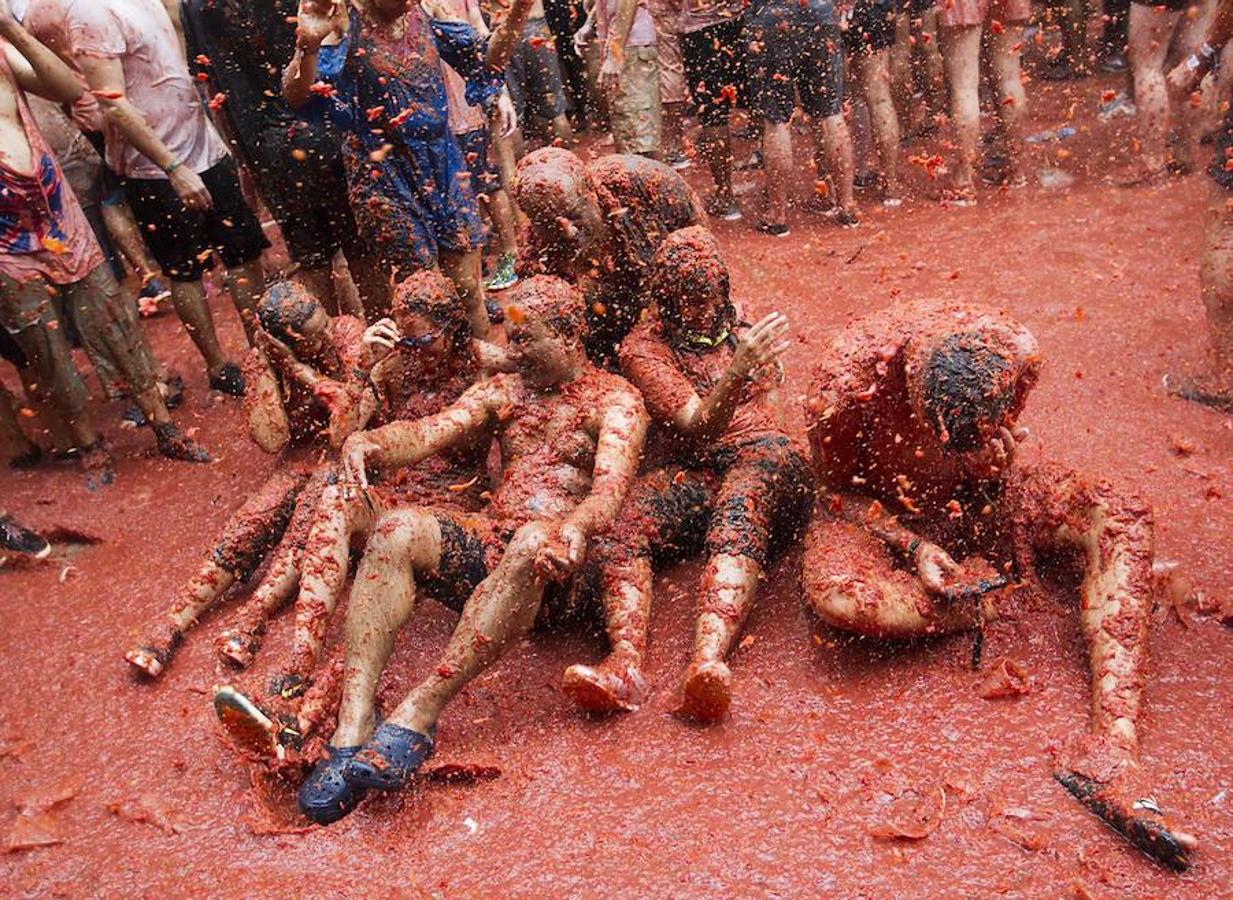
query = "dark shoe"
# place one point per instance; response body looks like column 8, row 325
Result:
column 132, row 416
column 389, row 758
column 19, row 539
column 866, row 180
column 774, row 229
column 1140, row 821
column 1114, row 63
column 504, row 277
column 172, row 390
column 174, row 445
column 228, row 380
column 325, row 796
column 718, row 208
column 98, row 465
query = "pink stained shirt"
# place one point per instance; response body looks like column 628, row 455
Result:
column 43, row 232
column 139, row 33
column 45, row 19
column 641, row 32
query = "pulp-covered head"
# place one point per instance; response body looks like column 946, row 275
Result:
column 968, row 384
column 291, row 313
column 546, row 322
column 688, row 282
column 553, row 188
column 430, row 316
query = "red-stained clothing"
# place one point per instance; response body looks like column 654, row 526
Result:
column 43, row 232
column 668, row 377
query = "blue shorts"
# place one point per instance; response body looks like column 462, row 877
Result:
column 414, row 204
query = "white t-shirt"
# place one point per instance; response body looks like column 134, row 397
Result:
column 139, row 33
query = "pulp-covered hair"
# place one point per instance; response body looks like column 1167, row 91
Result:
column 545, row 176
column 550, row 300
column 687, row 266
column 968, row 382
column 432, row 296
column 284, row 308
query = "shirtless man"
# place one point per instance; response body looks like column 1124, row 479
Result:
column 598, row 225
column 912, row 420
column 320, row 383
column 47, row 247
column 732, row 483
column 570, row 437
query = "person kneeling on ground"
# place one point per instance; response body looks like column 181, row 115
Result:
column 571, row 437
column 731, row 480
column 912, row 418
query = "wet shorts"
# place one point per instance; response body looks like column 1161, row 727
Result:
column 534, row 74
column 794, row 48
column 111, row 191
column 714, row 60
column 300, row 176
column 484, row 176
column 871, row 28
column 183, row 240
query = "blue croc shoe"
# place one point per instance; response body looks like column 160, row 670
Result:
column 389, row 757
column 325, row 796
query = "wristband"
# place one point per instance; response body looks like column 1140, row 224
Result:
column 171, row 167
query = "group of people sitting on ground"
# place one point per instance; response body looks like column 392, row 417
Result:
column 544, row 472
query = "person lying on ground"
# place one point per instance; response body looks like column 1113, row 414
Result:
column 927, row 513
column 570, row 437
column 729, row 479
column 598, row 225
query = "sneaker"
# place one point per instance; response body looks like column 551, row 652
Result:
column 779, row 230
column 728, row 212
column 505, row 276
column 679, row 160
column 17, row 538
column 229, row 380
column 1114, row 63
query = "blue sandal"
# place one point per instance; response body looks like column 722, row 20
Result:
column 325, row 796
column 389, row 758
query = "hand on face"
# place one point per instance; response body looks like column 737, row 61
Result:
column 380, row 339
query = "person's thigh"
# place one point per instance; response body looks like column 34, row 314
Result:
column 231, row 225
column 174, row 234
column 1150, row 30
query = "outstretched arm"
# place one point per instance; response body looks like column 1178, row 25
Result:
column 507, row 35
column 405, row 443
column 316, row 22
column 36, row 68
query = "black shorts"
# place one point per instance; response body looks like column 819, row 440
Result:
column 182, row 240
column 484, row 176
column 533, row 75
column 300, row 175
column 872, row 27
column 799, row 51
column 714, row 60
column 1169, row 5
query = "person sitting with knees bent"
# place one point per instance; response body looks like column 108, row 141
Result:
column 925, row 514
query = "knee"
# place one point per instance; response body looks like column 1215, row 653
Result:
column 398, row 534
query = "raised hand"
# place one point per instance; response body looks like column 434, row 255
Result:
column 317, row 20
column 761, row 345
column 379, row 340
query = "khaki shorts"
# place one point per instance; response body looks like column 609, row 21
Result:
column 635, row 105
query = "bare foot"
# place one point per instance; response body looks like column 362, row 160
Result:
column 152, row 655
column 612, row 686
column 707, row 692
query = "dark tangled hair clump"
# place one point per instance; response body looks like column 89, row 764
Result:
column 969, row 387
column 285, row 308
column 687, row 266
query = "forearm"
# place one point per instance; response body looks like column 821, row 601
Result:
column 407, row 443
column 621, row 25
column 56, row 81
column 616, row 465
column 714, row 413
column 874, row 518
column 132, row 125
column 299, row 77
column 507, row 35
